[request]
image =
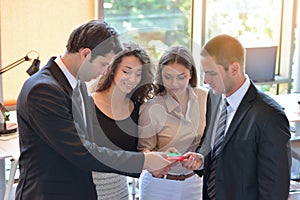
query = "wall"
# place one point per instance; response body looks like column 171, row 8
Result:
column 41, row 25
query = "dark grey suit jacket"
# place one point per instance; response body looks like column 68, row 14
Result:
column 255, row 157
column 58, row 153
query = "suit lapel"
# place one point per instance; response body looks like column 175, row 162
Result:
column 213, row 102
column 59, row 76
column 242, row 110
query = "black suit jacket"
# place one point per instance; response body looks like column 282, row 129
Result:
column 255, row 157
column 58, row 153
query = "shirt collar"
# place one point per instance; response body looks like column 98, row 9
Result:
column 72, row 80
column 235, row 99
column 172, row 104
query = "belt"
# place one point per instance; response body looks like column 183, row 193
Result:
column 180, row 177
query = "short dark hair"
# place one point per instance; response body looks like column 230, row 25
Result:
column 176, row 54
column 91, row 35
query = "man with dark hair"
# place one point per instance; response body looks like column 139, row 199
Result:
column 56, row 133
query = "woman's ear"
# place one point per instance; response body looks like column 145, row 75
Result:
column 191, row 74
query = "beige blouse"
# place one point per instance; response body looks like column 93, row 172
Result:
column 162, row 124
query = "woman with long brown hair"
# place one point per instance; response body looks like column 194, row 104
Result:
column 126, row 84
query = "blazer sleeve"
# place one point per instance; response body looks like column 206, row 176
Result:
column 50, row 115
column 204, row 146
column 274, row 157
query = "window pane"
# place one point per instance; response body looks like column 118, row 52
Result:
column 253, row 22
column 256, row 23
column 154, row 24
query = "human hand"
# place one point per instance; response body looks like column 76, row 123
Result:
column 174, row 155
column 193, row 161
column 172, row 150
column 156, row 162
column 161, row 173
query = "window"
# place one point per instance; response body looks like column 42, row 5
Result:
column 253, row 22
column 154, row 24
column 257, row 23
column 157, row 25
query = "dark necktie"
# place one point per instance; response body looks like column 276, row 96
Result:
column 220, row 134
column 77, row 95
column 79, row 100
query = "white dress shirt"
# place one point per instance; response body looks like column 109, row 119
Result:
column 234, row 101
column 72, row 80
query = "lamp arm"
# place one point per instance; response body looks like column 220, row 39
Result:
column 14, row 64
column 18, row 62
column 6, row 128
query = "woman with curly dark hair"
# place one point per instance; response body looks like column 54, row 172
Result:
column 125, row 85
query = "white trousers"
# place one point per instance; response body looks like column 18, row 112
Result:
column 164, row 189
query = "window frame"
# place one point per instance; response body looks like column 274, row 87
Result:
column 285, row 43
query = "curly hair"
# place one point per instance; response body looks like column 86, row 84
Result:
column 142, row 92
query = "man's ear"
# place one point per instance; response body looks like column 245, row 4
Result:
column 234, row 68
column 84, row 53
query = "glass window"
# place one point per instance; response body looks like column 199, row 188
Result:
column 256, row 23
column 154, row 24
column 253, row 22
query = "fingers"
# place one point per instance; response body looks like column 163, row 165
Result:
column 155, row 161
column 160, row 173
column 193, row 161
column 172, row 150
column 158, row 164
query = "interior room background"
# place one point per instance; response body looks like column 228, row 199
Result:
column 44, row 25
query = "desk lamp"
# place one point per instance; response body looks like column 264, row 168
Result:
column 6, row 128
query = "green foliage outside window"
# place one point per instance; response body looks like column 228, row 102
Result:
column 154, row 24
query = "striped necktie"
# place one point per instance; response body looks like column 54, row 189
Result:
column 220, row 134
